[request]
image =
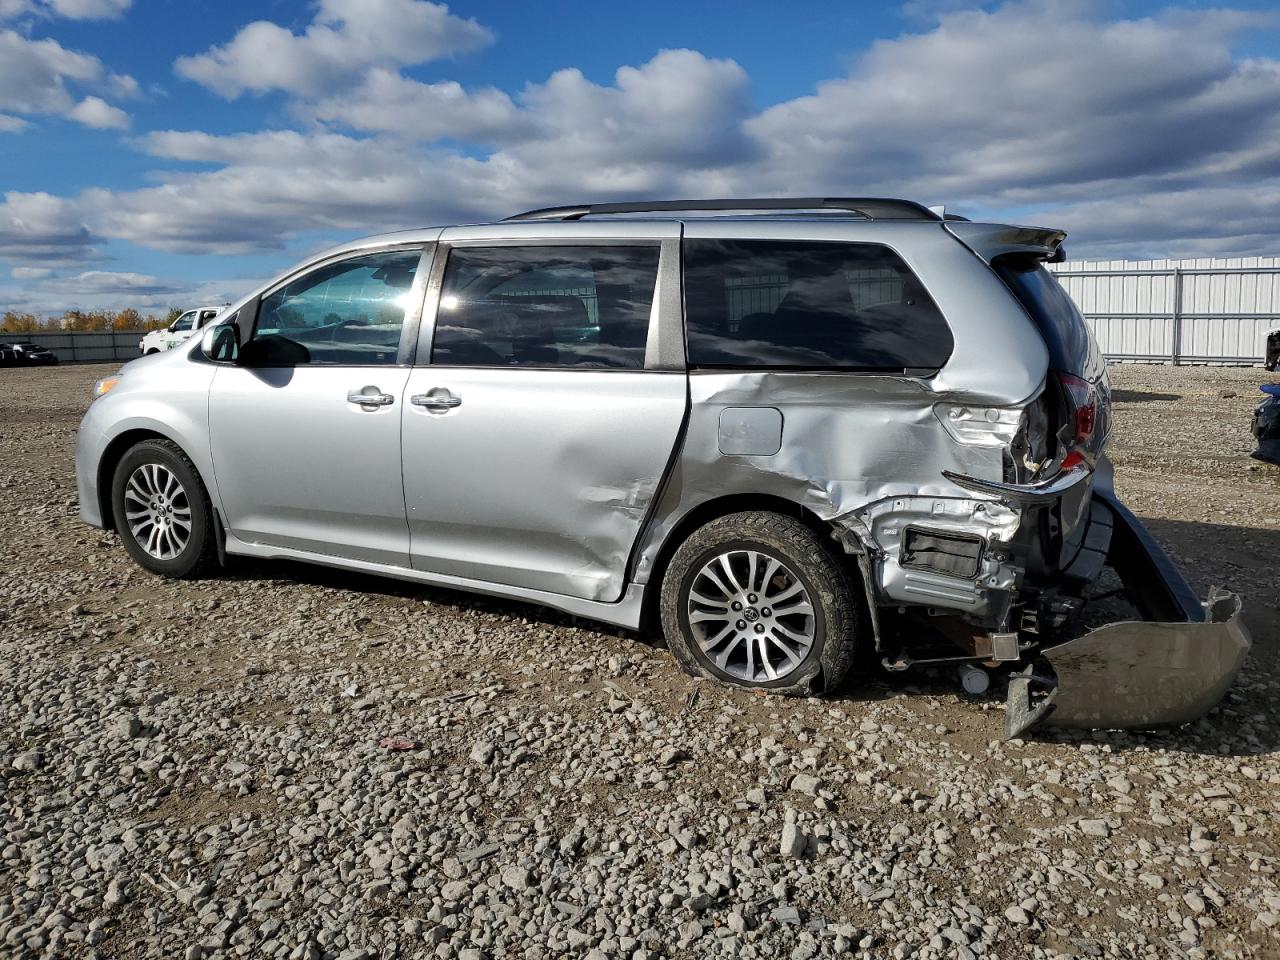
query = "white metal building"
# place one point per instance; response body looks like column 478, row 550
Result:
column 1178, row 311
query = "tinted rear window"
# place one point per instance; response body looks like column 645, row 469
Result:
column 1071, row 347
column 808, row 304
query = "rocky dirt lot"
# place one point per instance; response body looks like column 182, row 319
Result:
column 291, row 762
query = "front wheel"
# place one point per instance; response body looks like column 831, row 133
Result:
column 759, row 600
column 162, row 510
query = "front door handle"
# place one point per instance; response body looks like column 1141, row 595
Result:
column 371, row 397
column 443, row 400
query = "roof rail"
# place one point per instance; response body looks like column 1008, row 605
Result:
column 872, row 208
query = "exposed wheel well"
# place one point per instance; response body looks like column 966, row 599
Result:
column 107, row 467
column 703, row 514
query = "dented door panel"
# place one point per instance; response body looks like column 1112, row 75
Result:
column 538, row 478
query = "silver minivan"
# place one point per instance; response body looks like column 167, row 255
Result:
column 783, row 433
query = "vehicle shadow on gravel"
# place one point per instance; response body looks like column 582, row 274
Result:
column 247, row 570
column 1242, row 559
column 1141, row 396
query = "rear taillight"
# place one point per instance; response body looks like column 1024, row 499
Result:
column 1081, row 418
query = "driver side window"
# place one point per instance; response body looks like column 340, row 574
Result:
column 347, row 313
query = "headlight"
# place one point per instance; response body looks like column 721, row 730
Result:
column 104, row 386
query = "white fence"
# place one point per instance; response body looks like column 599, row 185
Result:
column 1178, row 311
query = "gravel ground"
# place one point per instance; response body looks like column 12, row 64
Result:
column 291, row 762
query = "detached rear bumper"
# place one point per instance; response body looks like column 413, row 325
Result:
column 1169, row 668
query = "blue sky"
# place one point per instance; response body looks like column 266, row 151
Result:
column 152, row 153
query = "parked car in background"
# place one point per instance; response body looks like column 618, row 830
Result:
column 183, row 328
column 788, row 434
column 22, row 354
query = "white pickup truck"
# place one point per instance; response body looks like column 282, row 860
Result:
column 186, row 326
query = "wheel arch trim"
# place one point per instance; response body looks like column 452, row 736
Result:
column 699, row 515
column 129, row 435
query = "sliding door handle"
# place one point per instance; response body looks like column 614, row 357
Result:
column 371, row 397
column 442, row 400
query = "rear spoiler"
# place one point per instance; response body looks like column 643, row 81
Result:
column 991, row 240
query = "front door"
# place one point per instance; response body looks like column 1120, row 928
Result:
column 537, row 425
column 305, row 429
column 181, row 328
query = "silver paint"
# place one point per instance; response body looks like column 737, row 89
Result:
column 750, row 431
column 844, row 443
column 545, row 484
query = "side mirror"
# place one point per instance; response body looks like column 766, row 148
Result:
column 221, row 343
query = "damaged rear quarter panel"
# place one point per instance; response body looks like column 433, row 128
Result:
column 865, row 451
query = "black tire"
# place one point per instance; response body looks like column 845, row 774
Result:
column 200, row 554
column 147, row 353
column 837, row 632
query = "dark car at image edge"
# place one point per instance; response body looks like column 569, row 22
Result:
column 22, row 354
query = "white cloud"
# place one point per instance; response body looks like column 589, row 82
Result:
column 385, row 101
column 681, row 111
column 70, row 9
column 998, row 107
column 1031, row 107
column 345, row 38
column 30, row 273
column 89, row 9
column 114, row 291
column 10, row 124
column 41, row 228
column 97, row 113
column 37, row 76
column 265, row 193
column 113, row 281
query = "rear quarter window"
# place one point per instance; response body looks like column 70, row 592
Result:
column 808, row 305
column 1072, row 348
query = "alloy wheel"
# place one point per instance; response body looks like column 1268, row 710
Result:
column 751, row 616
column 158, row 511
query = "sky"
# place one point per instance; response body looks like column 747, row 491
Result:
column 158, row 153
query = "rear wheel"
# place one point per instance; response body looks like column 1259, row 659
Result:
column 759, row 600
column 162, row 510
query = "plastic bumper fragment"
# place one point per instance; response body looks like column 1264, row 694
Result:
column 1136, row 675
column 1143, row 674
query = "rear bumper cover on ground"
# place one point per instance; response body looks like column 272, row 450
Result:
column 1169, row 668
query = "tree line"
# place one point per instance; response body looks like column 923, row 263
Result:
column 82, row 320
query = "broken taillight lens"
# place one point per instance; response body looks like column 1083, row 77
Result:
column 1081, row 418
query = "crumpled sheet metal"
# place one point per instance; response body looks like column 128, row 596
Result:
column 847, row 442
column 885, row 522
column 1137, row 674
column 1167, row 669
